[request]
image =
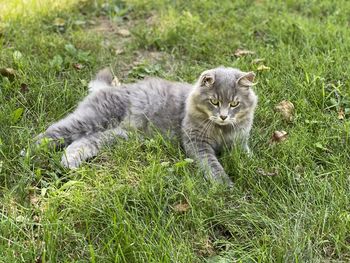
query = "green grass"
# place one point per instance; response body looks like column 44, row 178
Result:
column 122, row 206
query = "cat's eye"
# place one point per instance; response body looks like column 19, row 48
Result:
column 234, row 104
column 215, row 102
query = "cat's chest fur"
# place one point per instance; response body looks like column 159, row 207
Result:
column 217, row 136
column 225, row 138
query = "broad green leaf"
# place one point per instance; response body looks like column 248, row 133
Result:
column 17, row 115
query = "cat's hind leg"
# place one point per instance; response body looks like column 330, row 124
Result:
column 96, row 113
column 101, row 109
column 63, row 132
column 88, row 146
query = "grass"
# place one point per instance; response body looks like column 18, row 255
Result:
column 141, row 201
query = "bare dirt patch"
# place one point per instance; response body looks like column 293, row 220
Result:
column 118, row 37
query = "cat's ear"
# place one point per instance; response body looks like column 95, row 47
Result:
column 247, row 80
column 207, row 79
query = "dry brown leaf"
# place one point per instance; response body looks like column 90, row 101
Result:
column 279, row 136
column 206, row 248
column 119, row 51
column 36, row 219
column 341, row 114
column 59, row 22
column 34, row 200
column 243, row 52
column 124, row 32
column 8, row 72
column 209, row 247
column 263, row 68
column 286, row 108
column 24, row 88
column 181, row 207
column 78, row 66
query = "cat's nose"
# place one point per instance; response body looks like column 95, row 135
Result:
column 223, row 117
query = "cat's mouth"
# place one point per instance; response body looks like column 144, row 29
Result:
column 220, row 121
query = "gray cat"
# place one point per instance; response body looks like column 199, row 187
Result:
column 216, row 111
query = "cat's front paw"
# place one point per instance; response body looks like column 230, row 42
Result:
column 226, row 181
column 78, row 152
column 73, row 157
column 222, row 178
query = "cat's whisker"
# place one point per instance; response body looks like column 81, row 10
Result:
column 205, row 129
column 203, row 125
column 209, row 128
column 204, row 122
column 234, row 125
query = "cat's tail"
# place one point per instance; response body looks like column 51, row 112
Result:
column 104, row 78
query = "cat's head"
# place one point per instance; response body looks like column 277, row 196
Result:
column 224, row 96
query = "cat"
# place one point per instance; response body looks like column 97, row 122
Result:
column 215, row 112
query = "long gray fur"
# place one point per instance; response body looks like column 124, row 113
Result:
column 183, row 110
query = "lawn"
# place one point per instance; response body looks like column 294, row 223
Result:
column 141, row 200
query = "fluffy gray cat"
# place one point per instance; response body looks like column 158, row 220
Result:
column 216, row 111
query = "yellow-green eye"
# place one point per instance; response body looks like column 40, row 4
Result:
column 215, row 102
column 234, row 104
